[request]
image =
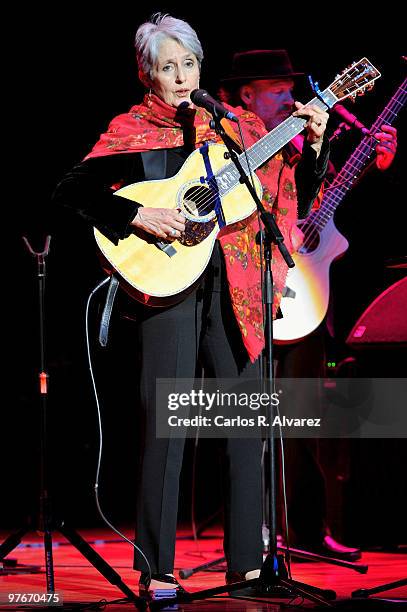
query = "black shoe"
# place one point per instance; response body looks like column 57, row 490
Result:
column 332, row 548
column 329, row 547
column 159, row 585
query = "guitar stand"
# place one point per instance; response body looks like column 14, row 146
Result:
column 46, row 525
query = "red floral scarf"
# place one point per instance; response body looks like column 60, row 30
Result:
column 155, row 125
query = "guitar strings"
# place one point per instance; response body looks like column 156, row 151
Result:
column 208, row 198
column 255, row 159
column 340, row 84
column 320, row 217
column 385, row 117
column 283, row 132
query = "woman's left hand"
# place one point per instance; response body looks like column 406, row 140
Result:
column 316, row 124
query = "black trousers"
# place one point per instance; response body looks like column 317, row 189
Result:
column 201, row 328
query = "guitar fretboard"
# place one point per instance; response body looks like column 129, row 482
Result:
column 228, row 177
column 345, row 179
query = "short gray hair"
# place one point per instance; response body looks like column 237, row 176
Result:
column 161, row 26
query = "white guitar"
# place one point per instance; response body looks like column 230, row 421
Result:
column 306, row 302
column 160, row 273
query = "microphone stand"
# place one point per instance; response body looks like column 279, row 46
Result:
column 45, row 523
column 273, row 580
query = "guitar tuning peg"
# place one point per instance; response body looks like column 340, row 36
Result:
column 348, row 68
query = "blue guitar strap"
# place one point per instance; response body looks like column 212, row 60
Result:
column 211, row 181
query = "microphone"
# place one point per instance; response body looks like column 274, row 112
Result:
column 350, row 119
column 200, row 97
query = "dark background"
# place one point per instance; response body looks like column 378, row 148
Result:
column 72, row 70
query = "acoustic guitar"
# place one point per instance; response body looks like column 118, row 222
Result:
column 306, row 303
column 209, row 194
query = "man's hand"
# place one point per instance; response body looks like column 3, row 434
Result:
column 387, row 146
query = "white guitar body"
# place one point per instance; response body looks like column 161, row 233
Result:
column 309, row 282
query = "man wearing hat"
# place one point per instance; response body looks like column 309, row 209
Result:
column 262, row 81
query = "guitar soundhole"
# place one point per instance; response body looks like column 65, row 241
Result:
column 198, row 201
column 311, row 239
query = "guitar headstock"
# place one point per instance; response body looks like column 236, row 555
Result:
column 355, row 80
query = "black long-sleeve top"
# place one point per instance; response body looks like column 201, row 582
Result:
column 87, row 188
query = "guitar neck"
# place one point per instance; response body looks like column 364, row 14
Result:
column 257, row 155
column 345, row 179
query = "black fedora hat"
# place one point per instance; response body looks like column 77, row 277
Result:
column 262, row 64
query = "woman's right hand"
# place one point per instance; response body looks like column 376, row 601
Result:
column 164, row 223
